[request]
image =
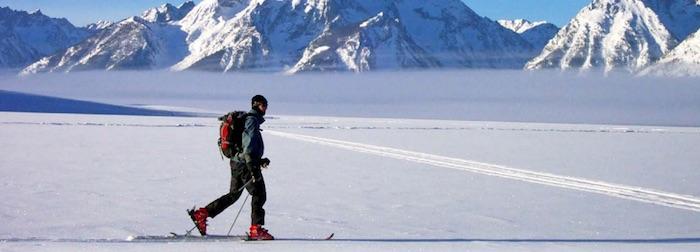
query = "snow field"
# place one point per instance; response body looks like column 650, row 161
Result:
column 634, row 193
column 109, row 177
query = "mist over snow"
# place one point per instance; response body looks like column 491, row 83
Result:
column 513, row 96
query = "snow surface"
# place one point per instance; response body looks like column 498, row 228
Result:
column 82, row 182
column 110, row 177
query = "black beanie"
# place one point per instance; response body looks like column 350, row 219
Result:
column 260, row 99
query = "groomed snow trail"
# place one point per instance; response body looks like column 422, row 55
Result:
column 646, row 195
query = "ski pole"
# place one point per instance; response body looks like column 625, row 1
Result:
column 189, row 232
column 245, row 185
column 242, row 205
column 239, row 213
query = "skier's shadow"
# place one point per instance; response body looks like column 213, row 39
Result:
column 629, row 241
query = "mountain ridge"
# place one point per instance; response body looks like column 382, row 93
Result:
column 537, row 33
column 367, row 35
column 258, row 35
column 619, row 34
column 26, row 37
column 682, row 61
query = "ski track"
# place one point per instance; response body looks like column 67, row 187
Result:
column 641, row 194
column 645, row 195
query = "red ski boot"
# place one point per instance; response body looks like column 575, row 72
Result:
column 257, row 232
column 199, row 217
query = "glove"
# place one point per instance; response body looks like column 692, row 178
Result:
column 256, row 178
column 265, row 162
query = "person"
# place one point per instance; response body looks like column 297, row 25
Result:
column 245, row 172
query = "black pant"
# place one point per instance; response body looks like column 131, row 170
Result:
column 239, row 177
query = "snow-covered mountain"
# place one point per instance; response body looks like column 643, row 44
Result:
column 207, row 20
column 684, row 60
column 378, row 43
column 356, row 35
column 271, row 35
column 100, row 25
column 300, row 35
column 520, row 25
column 26, row 37
column 131, row 44
column 353, row 35
column 620, row 34
column 207, row 16
column 536, row 33
column 167, row 12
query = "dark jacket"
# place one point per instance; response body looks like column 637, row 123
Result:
column 253, row 146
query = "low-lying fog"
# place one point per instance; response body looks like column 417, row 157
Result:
column 516, row 96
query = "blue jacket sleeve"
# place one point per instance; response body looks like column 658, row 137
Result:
column 249, row 134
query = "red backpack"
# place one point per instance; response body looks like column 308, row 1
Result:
column 231, row 133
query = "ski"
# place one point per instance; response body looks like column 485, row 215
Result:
column 173, row 237
column 246, row 238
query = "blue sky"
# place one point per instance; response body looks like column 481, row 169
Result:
column 82, row 12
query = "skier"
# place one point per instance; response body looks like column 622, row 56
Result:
column 245, row 172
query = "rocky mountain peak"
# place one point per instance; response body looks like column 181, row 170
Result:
column 620, row 34
column 168, row 12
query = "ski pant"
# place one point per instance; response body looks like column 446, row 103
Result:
column 239, row 177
